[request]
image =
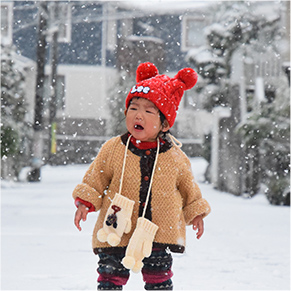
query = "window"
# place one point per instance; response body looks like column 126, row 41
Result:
column 61, row 17
column 6, row 22
column 266, row 64
column 193, row 32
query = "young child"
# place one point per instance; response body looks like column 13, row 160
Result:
column 142, row 184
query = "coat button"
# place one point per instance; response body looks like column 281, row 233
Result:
column 146, row 178
column 148, row 152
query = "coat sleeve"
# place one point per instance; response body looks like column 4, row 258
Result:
column 193, row 203
column 97, row 177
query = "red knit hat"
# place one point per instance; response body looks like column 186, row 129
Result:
column 165, row 92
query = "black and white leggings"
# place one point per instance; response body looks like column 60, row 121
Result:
column 156, row 271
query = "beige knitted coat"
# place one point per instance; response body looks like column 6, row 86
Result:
column 175, row 197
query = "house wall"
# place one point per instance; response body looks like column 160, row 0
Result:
column 87, row 90
column 81, row 125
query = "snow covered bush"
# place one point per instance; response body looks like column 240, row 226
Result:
column 234, row 25
column 268, row 129
column 14, row 129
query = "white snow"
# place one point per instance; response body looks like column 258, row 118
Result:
column 246, row 244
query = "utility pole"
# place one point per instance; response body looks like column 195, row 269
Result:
column 54, row 30
column 36, row 162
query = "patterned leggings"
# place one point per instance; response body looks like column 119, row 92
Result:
column 156, row 271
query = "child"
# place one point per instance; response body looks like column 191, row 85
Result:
column 143, row 186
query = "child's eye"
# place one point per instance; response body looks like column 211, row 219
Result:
column 132, row 108
column 151, row 112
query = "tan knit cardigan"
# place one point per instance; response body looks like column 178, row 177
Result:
column 175, row 197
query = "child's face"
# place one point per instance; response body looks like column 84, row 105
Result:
column 143, row 120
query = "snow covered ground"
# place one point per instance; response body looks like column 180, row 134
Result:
column 246, row 245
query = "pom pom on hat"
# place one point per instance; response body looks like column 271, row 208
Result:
column 165, row 92
column 145, row 71
column 188, row 76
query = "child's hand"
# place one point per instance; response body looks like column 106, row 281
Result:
column 81, row 213
column 198, row 224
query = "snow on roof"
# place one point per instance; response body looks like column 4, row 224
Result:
column 144, row 38
column 162, row 6
column 24, row 61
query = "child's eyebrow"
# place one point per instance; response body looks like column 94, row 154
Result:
column 133, row 103
column 147, row 106
column 152, row 107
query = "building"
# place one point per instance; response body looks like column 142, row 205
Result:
column 89, row 44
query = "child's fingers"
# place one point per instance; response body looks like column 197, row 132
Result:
column 200, row 229
column 198, row 225
column 77, row 219
column 195, row 225
column 84, row 215
column 199, row 234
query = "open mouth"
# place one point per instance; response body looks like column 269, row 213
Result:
column 138, row 127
